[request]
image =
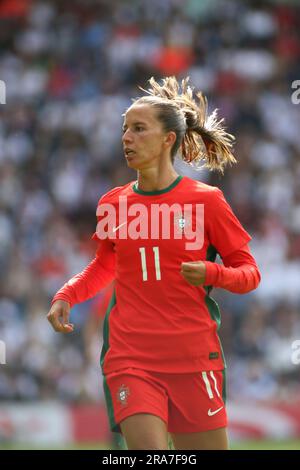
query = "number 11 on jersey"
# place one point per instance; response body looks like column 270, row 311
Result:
column 142, row 251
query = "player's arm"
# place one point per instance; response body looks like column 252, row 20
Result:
column 239, row 272
column 97, row 275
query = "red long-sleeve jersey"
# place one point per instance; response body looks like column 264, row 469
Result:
column 156, row 319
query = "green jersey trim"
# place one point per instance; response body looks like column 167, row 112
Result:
column 108, row 398
column 155, row 193
column 211, row 304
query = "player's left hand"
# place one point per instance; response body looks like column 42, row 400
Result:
column 194, row 272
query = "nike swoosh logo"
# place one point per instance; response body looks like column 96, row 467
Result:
column 119, row 226
column 211, row 413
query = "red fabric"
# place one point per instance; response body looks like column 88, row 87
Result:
column 101, row 303
column 185, row 402
column 97, row 275
column 159, row 321
column 225, row 232
column 239, row 274
column 154, row 314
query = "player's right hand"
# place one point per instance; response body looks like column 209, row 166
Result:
column 58, row 316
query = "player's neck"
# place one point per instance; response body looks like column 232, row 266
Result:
column 156, row 179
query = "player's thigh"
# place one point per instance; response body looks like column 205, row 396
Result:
column 215, row 439
column 145, row 431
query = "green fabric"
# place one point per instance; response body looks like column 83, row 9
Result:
column 211, row 304
column 109, row 403
column 154, row 193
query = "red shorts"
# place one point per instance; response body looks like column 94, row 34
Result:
column 191, row 402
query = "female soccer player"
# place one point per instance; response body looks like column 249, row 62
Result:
column 158, row 237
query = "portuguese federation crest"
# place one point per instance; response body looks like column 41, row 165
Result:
column 181, row 222
column 122, row 394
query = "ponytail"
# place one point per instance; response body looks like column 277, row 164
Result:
column 201, row 138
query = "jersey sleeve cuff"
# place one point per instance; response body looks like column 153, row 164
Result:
column 211, row 273
column 63, row 297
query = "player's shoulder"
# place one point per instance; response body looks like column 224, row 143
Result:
column 113, row 195
column 199, row 187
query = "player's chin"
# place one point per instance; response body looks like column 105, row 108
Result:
column 129, row 159
column 133, row 162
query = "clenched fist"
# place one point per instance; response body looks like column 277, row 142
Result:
column 194, row 272
column 58, row 316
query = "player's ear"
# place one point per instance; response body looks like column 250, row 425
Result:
column 170, row 139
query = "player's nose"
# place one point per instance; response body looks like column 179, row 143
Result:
column 127, row 136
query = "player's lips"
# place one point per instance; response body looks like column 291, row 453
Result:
column 129, row 153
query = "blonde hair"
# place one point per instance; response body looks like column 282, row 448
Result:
column 200, row 139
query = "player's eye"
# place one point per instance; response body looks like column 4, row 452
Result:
column 139, row 128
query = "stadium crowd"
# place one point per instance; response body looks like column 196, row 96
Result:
column 70, row 69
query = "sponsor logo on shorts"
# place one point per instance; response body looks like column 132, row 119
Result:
column 123, row 394
column 211, row 413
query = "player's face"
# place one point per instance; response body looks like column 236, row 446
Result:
column 144, row 140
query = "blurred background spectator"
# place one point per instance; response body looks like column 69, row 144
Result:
column 70, row 70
